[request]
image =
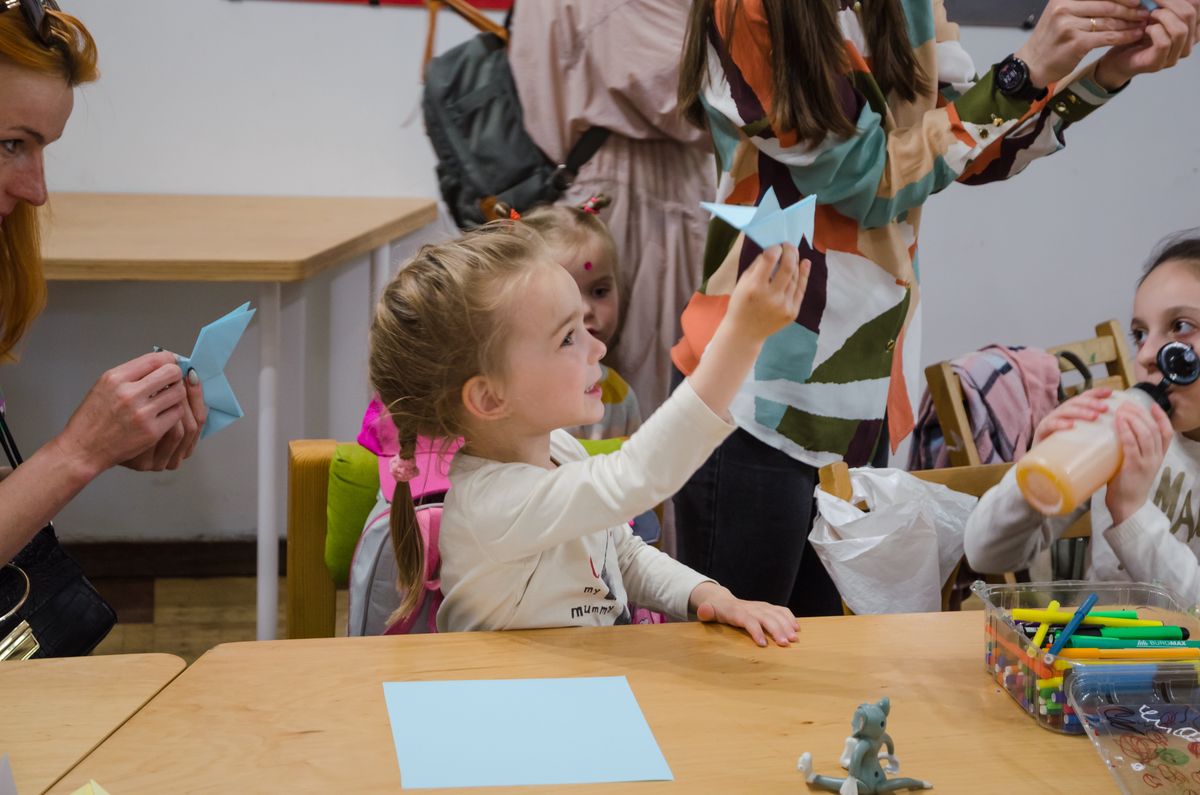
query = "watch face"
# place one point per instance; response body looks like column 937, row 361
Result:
column 1010, row 76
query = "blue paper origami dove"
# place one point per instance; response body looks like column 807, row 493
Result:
column 214, row 345
column 768, row 224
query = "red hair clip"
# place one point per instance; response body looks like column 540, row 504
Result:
column 595, row 203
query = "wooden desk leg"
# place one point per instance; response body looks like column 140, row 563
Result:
column 269, row 303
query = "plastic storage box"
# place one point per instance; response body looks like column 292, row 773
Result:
column 1145, row 722
column 1040, row 687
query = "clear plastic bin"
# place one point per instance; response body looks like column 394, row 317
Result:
column 1145, row 722
column 1041, row 688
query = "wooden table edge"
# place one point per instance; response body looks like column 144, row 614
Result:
column 103, row 270
column 181, row 668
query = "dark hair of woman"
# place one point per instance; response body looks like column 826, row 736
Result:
column 808, row 61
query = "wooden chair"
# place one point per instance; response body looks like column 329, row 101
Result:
column 311, row 594
column 973, row 480
column 1107, row 348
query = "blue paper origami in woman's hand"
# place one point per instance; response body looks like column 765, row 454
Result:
column 213, row 348
column 767, row 224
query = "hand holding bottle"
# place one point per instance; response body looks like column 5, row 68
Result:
column 1084, row 407
column 1144, row 437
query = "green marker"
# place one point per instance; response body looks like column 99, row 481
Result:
column 1145, row 633
column 1085, row 642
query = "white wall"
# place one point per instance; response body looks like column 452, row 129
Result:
column 1040, row 259
column 255, row 97
column 215, row 96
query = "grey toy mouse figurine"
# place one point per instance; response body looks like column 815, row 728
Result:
column 861, row 758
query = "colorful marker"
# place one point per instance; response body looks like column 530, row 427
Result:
column 1024, row 614
column 1080, row 616
column 1128, row 654
column 1085, row 642
column 1125, row 633
column 1040, row 635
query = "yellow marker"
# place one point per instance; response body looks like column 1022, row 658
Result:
column 1055, row 682
column 90, row 788
column 1040, row 635
column 1059, row 617
column 1131, row 654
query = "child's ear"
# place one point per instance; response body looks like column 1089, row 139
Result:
column 484, row 399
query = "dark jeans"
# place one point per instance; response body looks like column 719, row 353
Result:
column 743, row 519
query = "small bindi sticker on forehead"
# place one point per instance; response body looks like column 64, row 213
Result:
column 587, row 266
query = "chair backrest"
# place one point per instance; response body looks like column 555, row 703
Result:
column 311, row 594
column 1106, row 349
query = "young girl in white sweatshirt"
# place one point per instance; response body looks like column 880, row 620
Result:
column 1146, row 521
column 484, row 338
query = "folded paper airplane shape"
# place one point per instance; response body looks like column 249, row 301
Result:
column 768, row 224
column 213, row 348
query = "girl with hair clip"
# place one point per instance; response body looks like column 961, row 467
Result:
column 143, row 414
column 1144, row 525
column 871, row 105
column 581, row 243
column 484, row 339
column 614, row 64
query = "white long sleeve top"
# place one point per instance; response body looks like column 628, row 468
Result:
column 524, row 547
column 1158, row 543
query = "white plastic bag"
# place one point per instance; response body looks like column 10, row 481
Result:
column 894, row 557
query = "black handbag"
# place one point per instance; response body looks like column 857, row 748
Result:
column 47, row 607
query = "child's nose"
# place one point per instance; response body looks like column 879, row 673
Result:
column 1147, row 355
column 598, row 350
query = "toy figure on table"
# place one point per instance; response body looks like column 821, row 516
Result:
column 861, row 758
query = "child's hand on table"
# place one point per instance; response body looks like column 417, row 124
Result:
column 712, row 602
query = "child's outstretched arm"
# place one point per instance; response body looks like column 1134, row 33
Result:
column 766, row 299
column 713, row 602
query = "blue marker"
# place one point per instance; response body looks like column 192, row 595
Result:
column 1072, row 625
column 1149, row 5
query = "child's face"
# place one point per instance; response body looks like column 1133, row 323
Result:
column 552, row 362
column 593, row 272
column 1166, row 309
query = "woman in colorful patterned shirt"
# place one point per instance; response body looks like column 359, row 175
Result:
column 872, row 105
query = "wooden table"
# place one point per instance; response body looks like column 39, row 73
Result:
column 56, row 711
column 309, row 715
column 263, row 239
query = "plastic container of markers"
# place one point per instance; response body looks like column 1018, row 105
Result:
column 1041, row 686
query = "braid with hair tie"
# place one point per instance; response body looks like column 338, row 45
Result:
column 403, row 465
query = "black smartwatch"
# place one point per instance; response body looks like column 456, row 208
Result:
column 1012, row 78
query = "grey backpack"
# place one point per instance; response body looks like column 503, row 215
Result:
column 474, row 120
column 373, row 593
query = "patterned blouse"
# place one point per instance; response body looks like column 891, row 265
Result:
column 822, row 387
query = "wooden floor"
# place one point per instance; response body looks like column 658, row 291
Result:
column 187, row 617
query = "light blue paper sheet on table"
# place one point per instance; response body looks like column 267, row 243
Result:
column 768, row 224
column 512, row 732
column 8, row 785
column 213, row 348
